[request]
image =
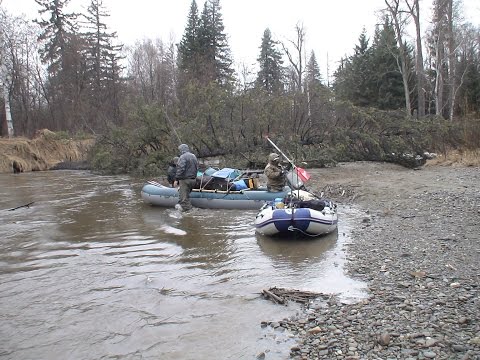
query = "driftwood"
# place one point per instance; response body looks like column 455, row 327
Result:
column 282, row 296
column 21, row 206
column 271, row 295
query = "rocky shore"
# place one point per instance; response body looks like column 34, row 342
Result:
column 418, row 248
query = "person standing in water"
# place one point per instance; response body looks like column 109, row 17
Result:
column 186, row 175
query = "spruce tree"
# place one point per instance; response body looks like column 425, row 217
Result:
column 216, row 60
column 353, row 78
column 387, row 82
column 188, row 48
column 317, row 92
column 102, row 59
column 57, row 35
column 270, row 76
column 100, row 47
column 62, row 52
column 314, row 77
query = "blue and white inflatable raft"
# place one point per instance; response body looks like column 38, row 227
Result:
column 310, row 218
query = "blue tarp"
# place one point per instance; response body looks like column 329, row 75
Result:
column 210, row 171
column 240, row 185
column 226, row 173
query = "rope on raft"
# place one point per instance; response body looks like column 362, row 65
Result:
column 292, row 228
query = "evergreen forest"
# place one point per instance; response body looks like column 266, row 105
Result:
column 396, row 97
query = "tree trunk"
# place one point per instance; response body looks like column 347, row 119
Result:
column 439, row 39
column 451, row 59
column 439, row 53
column 8, row 114
column 395, row 13
column 414, row 10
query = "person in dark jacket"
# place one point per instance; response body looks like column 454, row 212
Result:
column 275, row 174
column 172, row 171
column 186, row 175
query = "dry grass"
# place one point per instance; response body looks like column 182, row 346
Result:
column 40, row 153
column 457, row 157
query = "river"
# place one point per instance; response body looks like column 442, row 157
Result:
column 89, row 271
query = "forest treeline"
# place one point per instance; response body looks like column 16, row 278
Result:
column 394, row 98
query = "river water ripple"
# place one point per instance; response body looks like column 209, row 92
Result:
column 89, row 271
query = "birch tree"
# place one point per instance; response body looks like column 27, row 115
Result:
column 5, row 113
column 23, row 75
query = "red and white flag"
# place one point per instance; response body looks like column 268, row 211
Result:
column 302, row 174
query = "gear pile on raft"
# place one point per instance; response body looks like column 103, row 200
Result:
column 290, row 208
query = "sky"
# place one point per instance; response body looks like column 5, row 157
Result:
column 332, row 27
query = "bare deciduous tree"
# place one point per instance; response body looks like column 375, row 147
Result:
column 399, row 22
column 451, row 58
column 299, row 109
column 297, row 60
column 414, row 11
column 152, row 71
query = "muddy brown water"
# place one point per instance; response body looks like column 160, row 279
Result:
column 89, row 271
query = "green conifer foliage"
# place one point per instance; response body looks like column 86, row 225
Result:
column 270, row 76
column 387, row 84
column 188, row 49
column 353, row 78
column 314, row 78
column 102, row 58
column 57, row 34
column 371, row 76
column 216, row 59
column 203, row 53
column 62, row 53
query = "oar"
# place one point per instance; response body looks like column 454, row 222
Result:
column 171, row 124
column 302, row 173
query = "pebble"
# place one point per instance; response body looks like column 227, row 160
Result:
column 423, row 282
column 429, row 354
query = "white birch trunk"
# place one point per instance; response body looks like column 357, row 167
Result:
column 8, row 113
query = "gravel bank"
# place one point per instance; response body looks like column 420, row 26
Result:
column 418, row 248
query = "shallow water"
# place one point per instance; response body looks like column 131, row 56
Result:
column 90, row 271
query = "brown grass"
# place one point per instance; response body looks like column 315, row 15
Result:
column 41, row 152
column 457, row 157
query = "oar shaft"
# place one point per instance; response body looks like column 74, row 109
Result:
column 281, row 152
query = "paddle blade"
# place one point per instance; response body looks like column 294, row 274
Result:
column 302, row 174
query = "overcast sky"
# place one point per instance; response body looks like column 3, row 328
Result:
column 332, row 26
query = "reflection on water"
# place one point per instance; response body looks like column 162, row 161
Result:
column 90, row 271
column 297, row 250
